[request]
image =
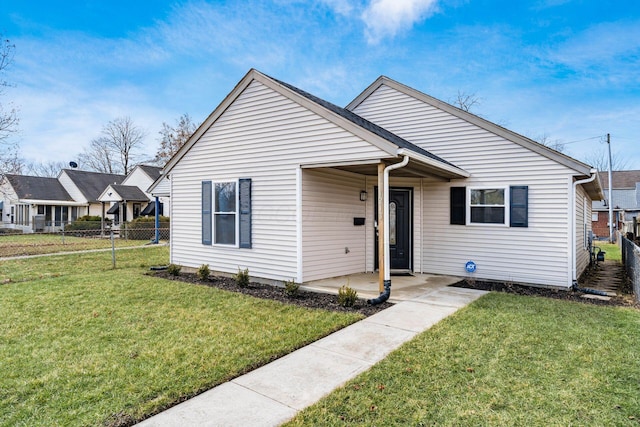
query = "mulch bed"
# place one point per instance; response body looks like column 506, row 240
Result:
column 302, row 298
column 626, row 300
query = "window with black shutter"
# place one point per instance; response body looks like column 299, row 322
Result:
column 458, row 206
column 519, row 199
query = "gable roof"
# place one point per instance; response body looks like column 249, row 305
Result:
column 130, row 193
column 388, row 142
column 525, row 142
column 38, row 188
column 153, row 171
column 620, row 179
column 92, row 184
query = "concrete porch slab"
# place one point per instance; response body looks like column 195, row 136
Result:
column 403, row 288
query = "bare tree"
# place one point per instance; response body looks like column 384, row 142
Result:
column 173, row 138
column 554, row 144
column 8, row 114
column 117, row 150
column 465, row 101
column 49, row 169
column 599, row 159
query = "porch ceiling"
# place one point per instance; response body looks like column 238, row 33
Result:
column 415, row 169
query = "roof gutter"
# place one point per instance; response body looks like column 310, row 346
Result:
column 454, row 170
column 572, row 246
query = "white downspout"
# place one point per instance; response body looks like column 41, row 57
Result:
column 385, row 201
column 572, row 246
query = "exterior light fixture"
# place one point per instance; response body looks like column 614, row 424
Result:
column 363, row 196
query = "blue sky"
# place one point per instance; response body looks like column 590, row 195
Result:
column 569, row 70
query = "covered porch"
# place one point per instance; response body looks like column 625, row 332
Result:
column 355, row 228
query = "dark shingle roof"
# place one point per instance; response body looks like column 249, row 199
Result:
column 365, row 124
column 152, row 171
column 92, row 184
column 620, row 179
column 130, row 192
column 38, row 188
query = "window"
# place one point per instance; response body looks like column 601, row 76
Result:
column 137, row 208
column 490, row 206
column 487, row 206
column 594, row 216
column 226, row 213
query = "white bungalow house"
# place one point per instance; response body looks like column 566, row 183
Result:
column 34, row 203
column 131, row 198
column 290, row 186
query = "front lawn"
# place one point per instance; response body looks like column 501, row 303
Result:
column 82, row 344
column 505, row 360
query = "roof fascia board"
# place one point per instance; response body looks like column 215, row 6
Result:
column 460, row 173
column 51, row 202
column 558, row 157
column 210, row 120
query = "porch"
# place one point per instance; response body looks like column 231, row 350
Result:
column 404, row 287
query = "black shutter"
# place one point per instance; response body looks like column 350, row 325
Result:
column 458, row 207
column 519, row 210
column 206, row 213
column 245, row 212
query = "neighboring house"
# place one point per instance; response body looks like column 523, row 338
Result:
column 86, row 187
column 625, row 203
column 288, row 185
column 131, row 198
column 33, row 203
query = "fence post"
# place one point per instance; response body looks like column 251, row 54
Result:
column 113, row 250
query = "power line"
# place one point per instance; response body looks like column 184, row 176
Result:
column 601, row 137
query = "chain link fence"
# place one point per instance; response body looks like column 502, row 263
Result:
column 80, row 235
column 631, row 262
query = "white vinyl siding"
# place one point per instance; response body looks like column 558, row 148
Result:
column 536, row 254
column 71, row 188
column 583, row 228
column 264, row 136
column 332, row 245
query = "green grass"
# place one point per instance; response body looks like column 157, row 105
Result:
column 612, row 250
column 505, row 360
column 88, row 345
column 38, row 244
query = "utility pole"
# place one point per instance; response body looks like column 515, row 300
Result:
column 610, row 185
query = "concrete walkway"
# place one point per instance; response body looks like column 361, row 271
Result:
column 274, row 393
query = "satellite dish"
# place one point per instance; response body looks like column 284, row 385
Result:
column 73, row 164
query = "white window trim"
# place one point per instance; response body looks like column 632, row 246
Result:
column 214, row 212
column 506, row 206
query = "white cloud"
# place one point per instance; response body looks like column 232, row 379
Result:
column 385, row 18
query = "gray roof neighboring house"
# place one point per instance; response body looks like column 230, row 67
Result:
column 620, row 179
column 92, row 184
column 38, row 188
column 152, row 171
column 622, row 199
column 130, row 193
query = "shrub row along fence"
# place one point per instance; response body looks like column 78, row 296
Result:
column 631, row 262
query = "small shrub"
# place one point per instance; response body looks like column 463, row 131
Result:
column 347, row 296
column 242, row 278
column 174, row 269
column 204, row 272
column 291, row 288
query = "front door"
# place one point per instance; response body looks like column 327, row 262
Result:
column 400, row 226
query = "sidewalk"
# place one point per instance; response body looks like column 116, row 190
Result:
column 274, row 393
